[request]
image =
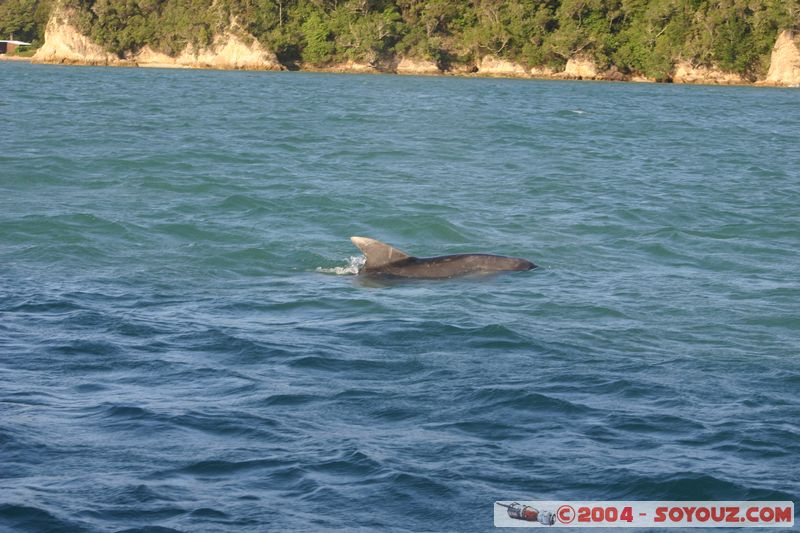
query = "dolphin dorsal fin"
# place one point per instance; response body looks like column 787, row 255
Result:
column 378, row 253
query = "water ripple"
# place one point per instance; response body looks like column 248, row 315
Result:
column 186, row 345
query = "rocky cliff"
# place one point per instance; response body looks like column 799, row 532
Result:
column 494, row 66
column 229, row 50
column 409, row 65
column 235, row 49
column 685, row 72
column 784, row 65
column 581, row 68
column 64, row 44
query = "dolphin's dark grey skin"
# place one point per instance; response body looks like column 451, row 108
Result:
column 384, row 260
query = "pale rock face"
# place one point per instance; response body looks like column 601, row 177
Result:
column 685, row 72
column 417, row 66
column 494, row 66
column 228, row 51
column 64, row 44
column 147, row 57
column 784, row 65
column 580, row 67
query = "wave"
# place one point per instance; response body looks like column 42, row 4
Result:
column 692, row 486
column 27, row 518
column 520, row 399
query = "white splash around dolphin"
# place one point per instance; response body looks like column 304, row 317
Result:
column 352, row 268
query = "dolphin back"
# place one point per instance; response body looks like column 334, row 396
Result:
column 385, row 260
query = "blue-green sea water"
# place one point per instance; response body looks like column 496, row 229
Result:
column 184, row 343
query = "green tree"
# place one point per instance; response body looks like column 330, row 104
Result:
column 644, row 36
column 317, row 48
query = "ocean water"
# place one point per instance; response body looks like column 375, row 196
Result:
column 185, row 346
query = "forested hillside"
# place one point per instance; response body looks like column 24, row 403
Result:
column 640, row 36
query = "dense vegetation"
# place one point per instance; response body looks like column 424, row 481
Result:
column 24, row 19
column 635, row 35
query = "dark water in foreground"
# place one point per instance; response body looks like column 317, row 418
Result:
column 183, row 343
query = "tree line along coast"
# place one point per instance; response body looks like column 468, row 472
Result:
column 724, row 41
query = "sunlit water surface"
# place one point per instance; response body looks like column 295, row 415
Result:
column 184, row 344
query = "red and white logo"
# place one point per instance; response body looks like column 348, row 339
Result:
column 565, row 514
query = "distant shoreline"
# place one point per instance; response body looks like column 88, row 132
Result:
column 341, row 69
column 233, row 49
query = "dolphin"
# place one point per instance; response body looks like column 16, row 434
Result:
column 385, row 260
